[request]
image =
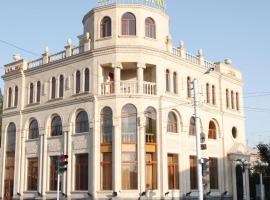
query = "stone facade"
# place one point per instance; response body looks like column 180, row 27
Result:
column 139, row 65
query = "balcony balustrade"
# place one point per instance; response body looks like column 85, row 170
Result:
column 128, row 87
column 150, row 138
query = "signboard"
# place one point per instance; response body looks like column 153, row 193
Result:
column 159, row 3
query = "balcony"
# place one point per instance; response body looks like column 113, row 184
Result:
column 128, row 87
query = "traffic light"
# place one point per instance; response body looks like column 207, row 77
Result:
column 62, row 163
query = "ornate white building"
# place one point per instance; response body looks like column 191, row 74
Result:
column 121, row 106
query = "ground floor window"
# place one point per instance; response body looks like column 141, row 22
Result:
column 81, row 172
column 106, row 171
column 213, row 168
column 193, row 172
column 129, row 171
column 32, row 179
column 53, row 173
column 173, row 171
column 151, row 171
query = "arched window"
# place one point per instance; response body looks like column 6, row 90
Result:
column 106, row 125
column 172, row 123
column 33, row 130
column 9, row 97
column 237, row 100
column 213, row 95
column 105, row 27
column 11, row 138
column 86, row 80
column 16, row 96
column 150, row 28
column 151, row 155
column 207, row 93
column 61, row 86
column 212, row 131
column 174, row 82
column 128, row 24
column 78, row 82
column 31, row 95
column 232, row 99
column 38, row 91
column 150, row 125
column 227, row 98
column 129, row 148
column 82, row 124
column 188, row 87
column 106, row 130
column 56, row 126
column 53, row 88
column 167, row 80
column 192, row 126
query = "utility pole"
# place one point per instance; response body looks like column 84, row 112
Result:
column 198, row 138
column 61, row 168
column 58, row 179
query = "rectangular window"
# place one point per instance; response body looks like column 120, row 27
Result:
column 32, row 179
column 53, row 173
column 193, row 172
column 151, row 171
column 173, row 171
column 213, row 168
column 129, row 171
column 106, row 171
column 81, row 174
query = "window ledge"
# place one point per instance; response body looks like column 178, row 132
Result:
column 55, row 137
column 104, row 38
column 33, row 104
column 81, row 93
column 55, row 99
column 32, row 140
column 78, row 134
column 11, row 108
column 151, row 39
column 127, row 36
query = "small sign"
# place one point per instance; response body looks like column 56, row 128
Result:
column 203, row 146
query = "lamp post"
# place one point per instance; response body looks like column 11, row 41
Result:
column 260, row 166
column 198, row 133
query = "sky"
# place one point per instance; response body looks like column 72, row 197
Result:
column 236, row 29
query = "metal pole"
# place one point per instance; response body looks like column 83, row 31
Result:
column 261, row 186
column 198, row 137
column 58, row 179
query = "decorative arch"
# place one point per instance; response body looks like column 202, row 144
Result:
column 56, row 125
column 212, row 130
column 81, row 122
column 106, row 27
column 150, row 28
column 33, row 129
column 172, row 123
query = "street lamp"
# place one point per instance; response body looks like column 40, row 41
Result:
column 260, row 167
column 198, row 132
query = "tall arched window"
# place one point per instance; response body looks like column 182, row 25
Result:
column 61, row 86
column 82, row 123
column 106, row 129
column 33, row 130
column 192, row 126
column 86, row 80
column 56, row 126
column 53, row 88
column 16, row 96
column 38, row 91
column 212, row 131
column 188, row 87
column 78, row 82
column 174, row 82
column 172, row 122
column 11, row 138
column 237, row 100
column 207, row 93
column 227, row 98
column 128, row 24
column 167, row 80
column 213, row 95
column 232, row 99
column 9, row 97
column 105, row 27
column 151, row 155
column 31, row 95
column 150, row 28
column 129, row 148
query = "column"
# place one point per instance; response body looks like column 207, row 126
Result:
column 19, row 171
column 234, row 179
column 117, row 77
column 68, row 151
column 117, row 174
column 40, row 160
column 142, row 150
column 140, row 68
column 65, row 141
column 45, row 164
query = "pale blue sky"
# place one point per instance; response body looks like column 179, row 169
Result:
column 239, row 29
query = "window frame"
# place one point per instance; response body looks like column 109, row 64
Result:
column 127, row 26
column 105, row 28
column 150, row 28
